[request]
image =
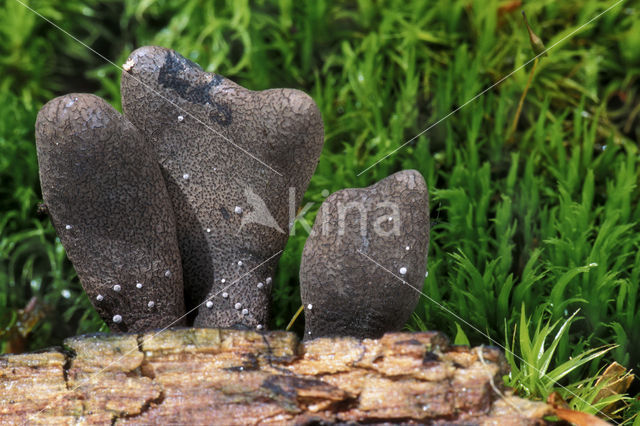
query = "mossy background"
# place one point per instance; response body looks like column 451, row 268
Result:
column 522, row 233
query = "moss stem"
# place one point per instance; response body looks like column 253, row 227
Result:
column 512, row 130
column 295, row 317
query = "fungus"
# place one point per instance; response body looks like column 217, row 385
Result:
column 253, row 153
column 130, row 197
column 92, row 162
column 350, row 262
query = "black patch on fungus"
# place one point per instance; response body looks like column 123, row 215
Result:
column 169, row 78
column 221, row 114
column 225, row 213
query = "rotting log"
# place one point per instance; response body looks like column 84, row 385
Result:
column 212, row 376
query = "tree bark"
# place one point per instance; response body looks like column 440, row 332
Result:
column 212, row 376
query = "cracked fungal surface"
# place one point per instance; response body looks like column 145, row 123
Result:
column 109, row 205
column 343, row 290
column 236, row 163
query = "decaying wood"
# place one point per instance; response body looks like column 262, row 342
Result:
column 211, row 376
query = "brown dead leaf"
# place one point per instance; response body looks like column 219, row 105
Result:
column 578, row 418
column 561, row 409
column 617, row 379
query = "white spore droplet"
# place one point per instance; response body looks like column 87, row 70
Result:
column 268, row 280
column 209, row 304
column 117, row 287
column 390, row 219
column 259, row 327
column 245, row 311
column 407, row 248
column 151, row 304
column 238, row 305
column 180, row 118
column 403, row 270
column 138, row 285
column 240, row 263
column 185, row 176
column 128, row 65
column 117, row 319
column 99, row 298
column 238, row 210
column 260, row 285
column 225, row 295
column 208, row 230
column 167, row 273
column 223, row 281
column 68, row 227
column 309, row 306
column 426, row 274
